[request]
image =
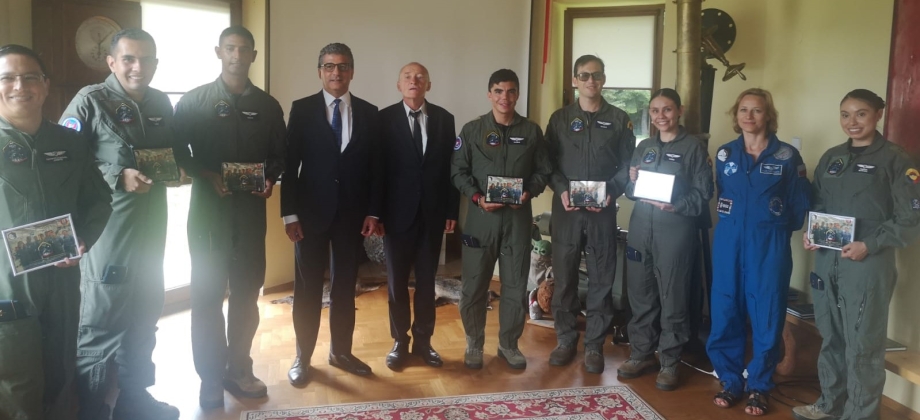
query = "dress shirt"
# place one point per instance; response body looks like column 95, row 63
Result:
column 423, row 121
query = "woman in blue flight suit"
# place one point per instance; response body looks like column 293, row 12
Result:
column 762, row 198
column 875, row 181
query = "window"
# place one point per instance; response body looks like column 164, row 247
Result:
column 186, row 33
column 628, row 39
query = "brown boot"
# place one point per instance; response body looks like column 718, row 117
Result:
column 667, row 378
column 634, row 368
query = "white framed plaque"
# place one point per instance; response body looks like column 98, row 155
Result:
column 654, row 186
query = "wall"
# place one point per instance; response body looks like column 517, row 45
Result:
column 16, row 22
column 808, row 54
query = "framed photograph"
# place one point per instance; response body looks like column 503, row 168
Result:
column 504, row 189
column 654, row 186
column 588, row 194
column 243, row 176
column 830, row 230
column 40, row 244
column 157, row 164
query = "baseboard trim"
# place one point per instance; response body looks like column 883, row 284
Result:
column 278, row 288
column 901, row 409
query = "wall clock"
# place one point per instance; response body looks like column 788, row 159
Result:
column 92, row 41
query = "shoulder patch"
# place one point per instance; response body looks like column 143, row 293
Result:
column 72, row 123
column 723, row 154
column 913, row 176
column 629, row 125
column 458, row 143
column 784, row 153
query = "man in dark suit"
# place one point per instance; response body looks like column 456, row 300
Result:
column 420, row 205
column 331, row 193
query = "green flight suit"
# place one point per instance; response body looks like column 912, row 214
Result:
column 122, row 281
column 663, row 246
column 46, row 175
column 586, row 147
column 226, row 236
column 880, row 187
column 483, row 149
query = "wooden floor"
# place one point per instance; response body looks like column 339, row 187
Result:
column 273, row 351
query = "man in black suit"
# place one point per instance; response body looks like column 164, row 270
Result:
column 331, row 193
column 421, row 204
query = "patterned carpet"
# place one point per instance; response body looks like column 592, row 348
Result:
column 607, row 402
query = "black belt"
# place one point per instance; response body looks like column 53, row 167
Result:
column 12, row 310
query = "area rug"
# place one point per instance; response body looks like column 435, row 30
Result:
column 593, row 403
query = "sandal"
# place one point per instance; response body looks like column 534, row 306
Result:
column 729, row 398
column 756, row 400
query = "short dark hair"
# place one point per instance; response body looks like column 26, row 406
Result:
column 336, row 48
column 136, row 34
column 504, row 75
column 238, row 30
column 667, row 93
column 867, row 96
column 26, row 51
column 585, row 59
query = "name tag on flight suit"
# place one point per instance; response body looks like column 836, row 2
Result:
column 603, row 124
column 673, row 157
column 249, row 115
column 771, row 169
column 517, row 140
column 864, row 168
column 724, row 206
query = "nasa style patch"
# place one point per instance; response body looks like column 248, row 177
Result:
column 723, row 154
column 784, row 153
column 650, row 156
column 577, row 125
column 458, row 143
column 724, row 206
column 14, row 152
column 492, row 139
column 222, row 108
column 124, row 113
column 730, row 168
column 776, row 206
column 913, row 175
column 835, row 167
column 73, row 124
column 864, row 168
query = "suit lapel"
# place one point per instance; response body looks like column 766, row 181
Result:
column 431, row 129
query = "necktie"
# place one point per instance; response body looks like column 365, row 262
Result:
column 337, row 123
column 417, row 131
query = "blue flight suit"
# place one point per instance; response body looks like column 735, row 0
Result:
column 760, row 203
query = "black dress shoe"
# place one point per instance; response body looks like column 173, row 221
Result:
column 297, row 375
column 349, row 363
column 397, row 356
column 427, row 353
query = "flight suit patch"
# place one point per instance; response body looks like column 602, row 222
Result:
column 915, row 204
column 56, row 156
column 492, row 139
column 124, row 113
column 784, row 153
column 249, row 115
column 155, row 121
column 913, row 175
column 730, row 168
column 14, row 152
column 674, row 157
column 517, row 140
column 724, row 206
column 650, row 156
column 835, row 167
column 73, row 124
column 458, row 143
column 222, row 108
column 802, row 171
column 771, row 169
column 709, row 161
column 864, row 168
column 776, row 206
column 603, row 124
column 723, row 154
column 577, row 125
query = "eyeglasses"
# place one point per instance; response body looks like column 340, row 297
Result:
column 584, row 76
column 25, row 79
column 330, row 67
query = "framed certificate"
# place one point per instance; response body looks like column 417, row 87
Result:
column 243, row 176
column 40, row 244
column 830, row 230
column 588, row 194
column 504, row 189
column 654, row 186
column 157, row 164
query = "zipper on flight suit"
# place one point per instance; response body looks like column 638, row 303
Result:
column 38, row 176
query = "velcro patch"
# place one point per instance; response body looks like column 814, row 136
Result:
column 864, row 168
column 771, row 169
column 724, row 206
